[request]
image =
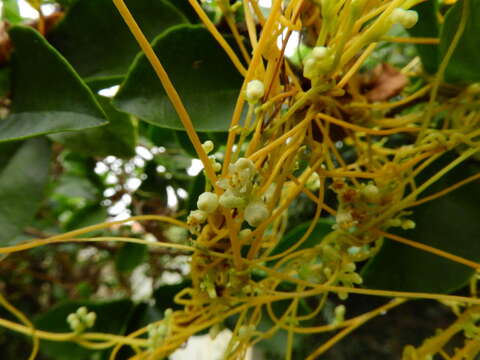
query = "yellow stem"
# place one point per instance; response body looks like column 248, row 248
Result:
column 169, row 88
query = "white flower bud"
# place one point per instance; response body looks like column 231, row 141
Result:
column 75, row 325
column 230, row 201
column 244, row 234
column 90, row 319
column 208, row 146
column 371, row 193
column 255, row 91
column 207, row 202
column 217, row 167
column 82, row 311
column 408, row 224
column 244, row 163
column 407, row 18
column 71, row 317
column 319, row 52
column 255, row 213
column 198, row 216
column 339, row 314
column 309, row 67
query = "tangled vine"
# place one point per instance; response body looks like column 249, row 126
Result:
column 283, row 141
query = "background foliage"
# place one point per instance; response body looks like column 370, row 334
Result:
column 72, row 157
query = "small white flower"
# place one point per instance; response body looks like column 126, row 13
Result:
column 406, row 18
column 255, row 91
column 244, row 234
column 208, row 202
column 198, row 215
column 208, row 146
column 230, row 201
column 319, row 52
column 371, row 193
column 255, row 213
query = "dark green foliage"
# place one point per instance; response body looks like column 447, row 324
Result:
column 191, row 57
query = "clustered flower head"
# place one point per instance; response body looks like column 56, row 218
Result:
column 318, row 62
column 208, row 146
column 81, row 320
column 238, row 187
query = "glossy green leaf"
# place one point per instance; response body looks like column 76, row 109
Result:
column 118, row 138
column 11, row 12
column 185, row 143
column 130, row 256
column 96, row 40
column 159, row 136
column 165, row 294
column 112, row 318
column 186, row 9
column 428, row 27
column 23, row 176
column 197, row 187
column 449, row 223
column 4, row 81
column 47, row 95
column 321, row 229
column 463, row 65
column 155, row 185
column 87, row 216
column 193, row 60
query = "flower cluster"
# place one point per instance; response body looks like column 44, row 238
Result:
column 208, row 146
column 318, row 62
column 238, row 186
column 81, row 320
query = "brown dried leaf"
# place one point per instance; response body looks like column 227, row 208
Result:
column 384, row 82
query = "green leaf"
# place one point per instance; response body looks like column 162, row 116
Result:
column 463, row 65
column 87, row 216
column 449, row 223
column 165, row 294
column 112, row 318
column 118, row 138
column 197, row 187
column 185, row 8
column 155, row 185
column 96, row 40
column 193, row 60
column 427, row 26
column 11, row 12
column 185, row 143
column 23, row 178
column 321, row 229
column 4, row 81
column 130, row 256
column 47, row 95
column 159, row 136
